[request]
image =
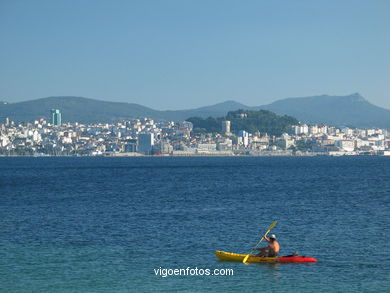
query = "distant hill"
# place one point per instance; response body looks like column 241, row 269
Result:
column 352, row 110
column 74, row 109
column 217, row 110
column 84, row 110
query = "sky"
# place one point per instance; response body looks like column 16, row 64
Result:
column 180, row 54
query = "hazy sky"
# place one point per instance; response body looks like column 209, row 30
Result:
column 182, row 54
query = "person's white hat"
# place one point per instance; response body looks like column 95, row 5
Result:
column 273, row 236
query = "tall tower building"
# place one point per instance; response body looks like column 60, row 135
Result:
column 56, row 117
column 226, row 127
column 145, row 143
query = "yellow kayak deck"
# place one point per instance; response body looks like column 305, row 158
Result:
column 231, row 256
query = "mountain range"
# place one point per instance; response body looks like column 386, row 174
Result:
column 351, row 110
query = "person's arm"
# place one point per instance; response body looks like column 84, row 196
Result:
column 267, row 239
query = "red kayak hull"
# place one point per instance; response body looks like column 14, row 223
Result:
column 295, row 259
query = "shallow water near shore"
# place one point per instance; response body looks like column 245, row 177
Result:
column 106, row 224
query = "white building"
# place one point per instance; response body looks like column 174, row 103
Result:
column 205, row 147
column 4, row 141
column 313, row 129
column 244, row 136
column 300, row 129
column 346, row 145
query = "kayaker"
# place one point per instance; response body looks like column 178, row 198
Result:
column 272, row 250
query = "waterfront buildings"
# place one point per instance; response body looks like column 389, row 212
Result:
column 148, row 137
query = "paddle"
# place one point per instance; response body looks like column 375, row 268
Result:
column 262, row 238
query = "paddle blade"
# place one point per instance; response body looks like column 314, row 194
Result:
column 246, row 258
column 272, row 225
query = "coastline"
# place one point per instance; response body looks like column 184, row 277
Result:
column 216, row 154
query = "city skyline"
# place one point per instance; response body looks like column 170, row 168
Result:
column 185, row 54
column 148, row 137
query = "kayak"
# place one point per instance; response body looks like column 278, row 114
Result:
column 230, row 256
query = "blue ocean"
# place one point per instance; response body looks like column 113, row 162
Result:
column 99, row 224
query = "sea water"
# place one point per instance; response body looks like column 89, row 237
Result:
column 109, row 224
